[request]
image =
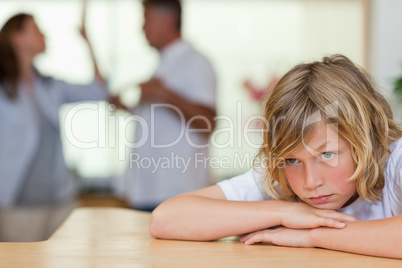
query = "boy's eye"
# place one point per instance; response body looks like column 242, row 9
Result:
column 327, row 155
column 292, row 161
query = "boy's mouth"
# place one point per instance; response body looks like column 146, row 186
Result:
column 320, row 199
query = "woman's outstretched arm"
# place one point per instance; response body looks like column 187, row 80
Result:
column 206, row 215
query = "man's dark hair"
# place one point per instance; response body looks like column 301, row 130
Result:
column 173, row 6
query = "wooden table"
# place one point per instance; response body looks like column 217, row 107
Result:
column 116, row 237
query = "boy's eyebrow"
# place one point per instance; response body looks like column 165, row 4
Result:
column 311, row 149
column 322, row 146
column 317, row 149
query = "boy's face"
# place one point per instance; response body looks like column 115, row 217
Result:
column 317, row 173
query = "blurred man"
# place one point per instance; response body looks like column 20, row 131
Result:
column 178, row 106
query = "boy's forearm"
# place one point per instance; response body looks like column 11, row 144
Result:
column 377, row 238
column 204, row 219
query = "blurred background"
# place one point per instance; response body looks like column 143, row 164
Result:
column 246, row 40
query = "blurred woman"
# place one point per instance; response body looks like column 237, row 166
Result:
column 33, row 174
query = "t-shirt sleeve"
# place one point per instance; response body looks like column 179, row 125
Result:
column 393, row 176
column 245, row 187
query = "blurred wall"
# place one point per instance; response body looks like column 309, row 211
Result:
column 386, row 46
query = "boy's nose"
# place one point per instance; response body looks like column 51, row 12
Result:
column 313, row 177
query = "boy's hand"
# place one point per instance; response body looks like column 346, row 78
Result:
column 297, row 220
column 303, row 216
column 280, row 236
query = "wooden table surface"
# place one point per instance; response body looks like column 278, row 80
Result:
column 116, row 237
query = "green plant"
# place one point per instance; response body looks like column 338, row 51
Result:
column 398, row 85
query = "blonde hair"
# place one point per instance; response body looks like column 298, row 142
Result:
column 342, row 93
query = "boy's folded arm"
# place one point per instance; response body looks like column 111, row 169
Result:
column 375, row 237
column 206, row 215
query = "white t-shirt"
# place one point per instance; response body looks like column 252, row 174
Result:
column 170, row 159
column 247, row 187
